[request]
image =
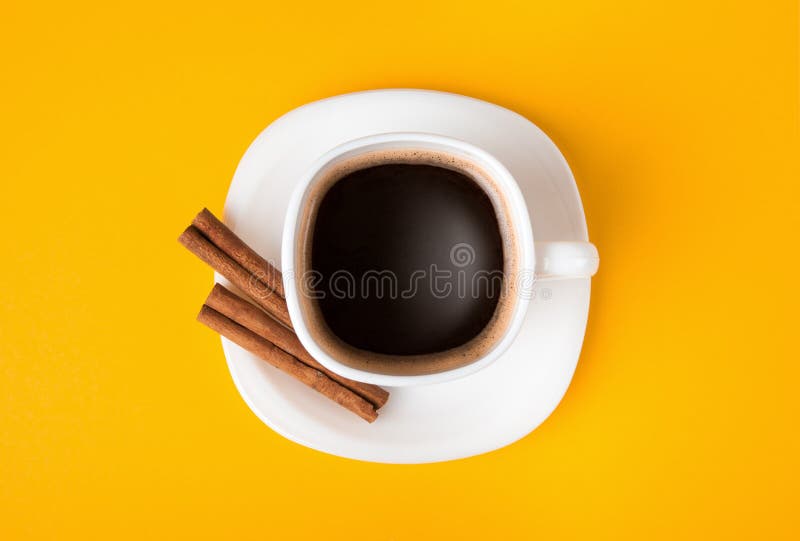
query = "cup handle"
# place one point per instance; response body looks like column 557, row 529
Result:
column 563, row 259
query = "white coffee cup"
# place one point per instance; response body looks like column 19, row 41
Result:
column 533, row 261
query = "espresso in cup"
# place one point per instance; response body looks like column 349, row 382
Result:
column 406, row 259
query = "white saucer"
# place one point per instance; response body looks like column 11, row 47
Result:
column 473, row 415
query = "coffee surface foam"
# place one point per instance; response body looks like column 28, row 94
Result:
column 429, row 363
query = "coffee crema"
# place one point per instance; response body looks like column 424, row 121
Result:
column 404, row 262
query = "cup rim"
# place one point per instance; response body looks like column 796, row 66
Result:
column 360, row 145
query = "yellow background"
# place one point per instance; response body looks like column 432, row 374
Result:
column 118, row 418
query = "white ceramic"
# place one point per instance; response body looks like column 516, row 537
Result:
column 562, row 259
column 476, row 414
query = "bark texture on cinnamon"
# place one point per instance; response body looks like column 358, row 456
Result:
column 227, row 241
column 251, row 317
column 197, row 243
column 280, row 359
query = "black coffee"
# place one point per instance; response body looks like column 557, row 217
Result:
column 410, row 258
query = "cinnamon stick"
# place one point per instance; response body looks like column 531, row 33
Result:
column 227, row 241
column 221, row 262
column 251, row 317
column 283, row 361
